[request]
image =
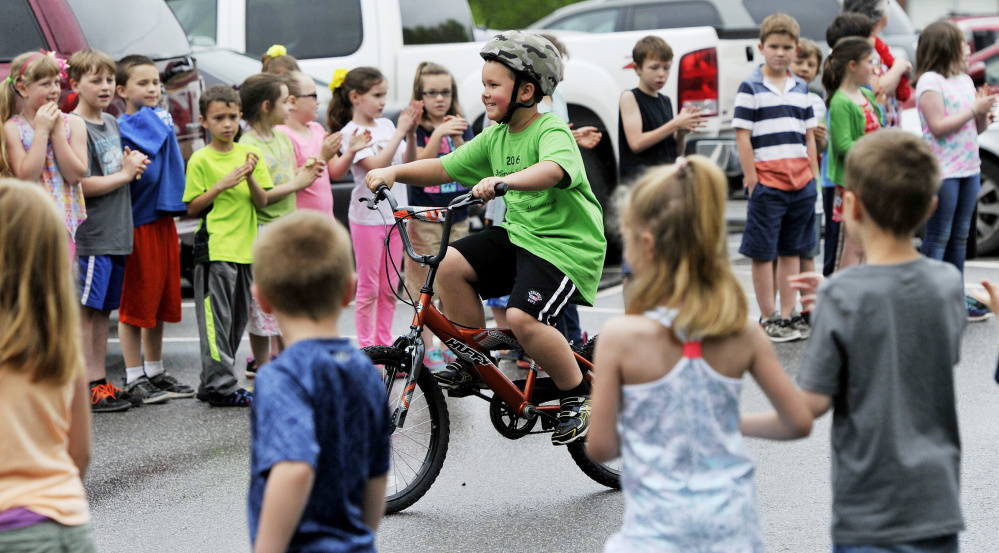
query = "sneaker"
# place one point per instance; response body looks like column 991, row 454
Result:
column 103, row 400
column 171, row 386
column 457, row 375
column 977, row 311
column 146, row 391
column 434, row 360
column 136, row 401
column 779, row 330
column 798, row 322
column 573, row 420
column 251, row 367
column 239, row 398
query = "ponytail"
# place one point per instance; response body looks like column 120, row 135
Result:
column 341, row 111
column 8, row 103
column 847, row 49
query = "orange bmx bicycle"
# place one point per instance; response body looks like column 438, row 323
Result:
column 419, row 412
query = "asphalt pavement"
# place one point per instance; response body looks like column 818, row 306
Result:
column 174, row 477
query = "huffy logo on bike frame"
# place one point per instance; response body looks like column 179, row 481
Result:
column 534, row 297
column 467, row 353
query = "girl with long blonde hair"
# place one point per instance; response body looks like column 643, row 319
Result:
column 666, row 398
column 44, row 408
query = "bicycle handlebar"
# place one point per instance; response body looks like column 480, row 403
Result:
column 465, row 200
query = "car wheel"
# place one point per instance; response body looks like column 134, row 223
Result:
column 987, row 222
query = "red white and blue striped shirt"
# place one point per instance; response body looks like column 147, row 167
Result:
column 778, row 121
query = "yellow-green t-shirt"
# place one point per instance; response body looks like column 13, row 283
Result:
column 563, row 224
column 228, row 227
column 279, row 156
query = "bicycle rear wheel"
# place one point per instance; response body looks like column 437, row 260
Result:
column 420, row 446
column 606, row 474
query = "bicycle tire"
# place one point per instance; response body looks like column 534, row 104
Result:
column 604, row 474
column 413, row 465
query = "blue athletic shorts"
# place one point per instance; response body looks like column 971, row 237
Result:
column 101, row 277
column 779, row 223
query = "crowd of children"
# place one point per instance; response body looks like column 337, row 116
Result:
column 109, row 189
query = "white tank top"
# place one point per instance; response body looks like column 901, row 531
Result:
column 687, row 476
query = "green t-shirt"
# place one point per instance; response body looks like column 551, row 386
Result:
column 228, row 227
column 279, row 156
column 563, row 224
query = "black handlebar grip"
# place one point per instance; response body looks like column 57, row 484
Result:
column 501, row 189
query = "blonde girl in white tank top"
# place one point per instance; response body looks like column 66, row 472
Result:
column 687, row 476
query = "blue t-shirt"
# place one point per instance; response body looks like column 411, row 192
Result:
column 322, row 403
column 439, row 196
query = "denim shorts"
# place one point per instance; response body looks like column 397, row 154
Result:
column 779, row 223
column 941, row 544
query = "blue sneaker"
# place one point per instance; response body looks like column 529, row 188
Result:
column 977, row 311
column 434, row 360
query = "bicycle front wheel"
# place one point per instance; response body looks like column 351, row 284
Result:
column 607, row 474
column 420, row 445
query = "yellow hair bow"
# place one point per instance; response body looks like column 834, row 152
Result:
column 277, row 51
column 338, row 76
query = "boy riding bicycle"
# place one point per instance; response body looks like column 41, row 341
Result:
column 551, row 247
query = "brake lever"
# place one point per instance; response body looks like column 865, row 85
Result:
column 379, row 194
column 500, row 189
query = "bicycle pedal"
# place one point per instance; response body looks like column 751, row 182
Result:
column 463, row 391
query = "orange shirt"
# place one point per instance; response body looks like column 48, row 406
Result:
column 36, row 471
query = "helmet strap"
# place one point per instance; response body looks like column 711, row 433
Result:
column 514, row 104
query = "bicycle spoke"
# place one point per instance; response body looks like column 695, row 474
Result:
column 407, row 464
column 425, row 446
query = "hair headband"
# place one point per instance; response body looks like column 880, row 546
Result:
column 338, row 77
column 63, row 64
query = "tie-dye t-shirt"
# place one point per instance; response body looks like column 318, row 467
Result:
column 957, row 152
column 69, row 197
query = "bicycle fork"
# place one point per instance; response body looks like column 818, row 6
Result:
column 414, row 346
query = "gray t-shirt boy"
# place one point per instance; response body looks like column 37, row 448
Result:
column 108, row 227
column 884, row 344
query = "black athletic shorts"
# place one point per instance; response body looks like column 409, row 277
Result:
column 534, row 285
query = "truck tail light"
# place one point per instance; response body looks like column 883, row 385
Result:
column 698, row 81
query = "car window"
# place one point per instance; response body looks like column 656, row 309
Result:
column 308, row 29
column 123, row 27
column 813, row 16
column 19, row 32
column 435, row 21
column 992, row 71
column 670, row 15
column 598, row 21
column 199, row 18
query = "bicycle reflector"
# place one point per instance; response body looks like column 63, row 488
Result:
column 698, row 81
column 435, row 215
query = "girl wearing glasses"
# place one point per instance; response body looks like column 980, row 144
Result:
column 442, row 129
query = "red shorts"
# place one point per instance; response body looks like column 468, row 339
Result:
column 151, row 291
